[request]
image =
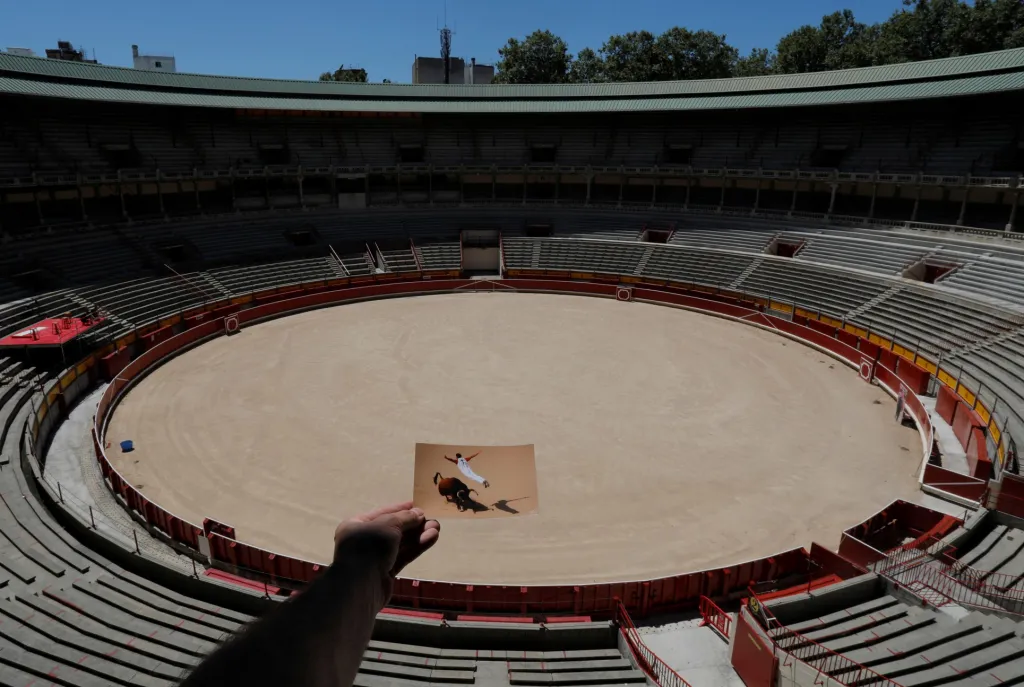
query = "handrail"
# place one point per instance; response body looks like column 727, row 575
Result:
column 711, row 614
column 827, row 661
column 655, row 668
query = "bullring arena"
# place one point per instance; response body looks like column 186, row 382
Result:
column 666, row 440
column 763, row 336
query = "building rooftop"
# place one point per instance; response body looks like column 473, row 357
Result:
column 950, row 77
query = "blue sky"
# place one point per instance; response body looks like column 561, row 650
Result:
column 298, row 39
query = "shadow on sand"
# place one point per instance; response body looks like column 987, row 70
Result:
column 503, row 505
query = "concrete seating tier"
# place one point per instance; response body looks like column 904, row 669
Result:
column 897, row 639
column 837, row 249
column 811, row 288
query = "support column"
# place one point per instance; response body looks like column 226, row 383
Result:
column 462, row 186
column 721, row 197
column 430, row 185
column 654, row 192
column 622, row 182
column 81, row 199
column 302, row 191
column 398, row 186
column 686, row 203
column 39, row 206
column 195, row 188
column 874, row 196
column 963, row 205
column 917, row 203
column 234, row 199
column 792, row 202
column 120, row 192
column 590, row 181
column 526, row 183
column 494, row 184
column 266, row 188
column 757, row 197
column 1013, row 211
column 332, row 188
column 832, row 198
column 558, row 187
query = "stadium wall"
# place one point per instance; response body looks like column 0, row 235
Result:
column 644, row 597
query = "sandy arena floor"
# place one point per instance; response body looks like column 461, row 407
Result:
column 666, row 441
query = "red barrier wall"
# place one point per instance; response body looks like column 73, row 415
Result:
column 847, row 338
column 112, row 363
column 945, row 403
column 642, row 597
column 157, row 335
column 1011, row 495
column 977, row 455
column 964, row 420
column 869, row 349
column 752, row 659
column 857, row 552
column 887, row 358
column 914, row 376
column 953, row 482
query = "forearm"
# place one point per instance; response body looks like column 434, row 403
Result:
column 317, row 638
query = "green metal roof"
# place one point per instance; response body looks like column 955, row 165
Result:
column 973, row 74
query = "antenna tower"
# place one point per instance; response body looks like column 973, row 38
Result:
column 446, row 47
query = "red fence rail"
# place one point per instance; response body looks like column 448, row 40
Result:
column 641, row 597
column 649, row 662
column 714, row 616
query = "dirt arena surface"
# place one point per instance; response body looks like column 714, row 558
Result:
column 666, row 441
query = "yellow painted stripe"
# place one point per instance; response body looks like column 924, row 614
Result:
column 966, row 394
column 781, row 307
column 982, row 412
column 947, row 379
column 926, row 364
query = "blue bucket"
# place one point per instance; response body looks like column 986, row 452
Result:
column 127, row 446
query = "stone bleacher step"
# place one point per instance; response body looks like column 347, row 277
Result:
column 159, row 603
column 61, row 634
column 45, row 539
column 419, row 661
column 164, row 618
column 897, row 627
column 19, row 662
column 26, row 546
column 367, row 680
column 568, row 666
column 17, row 566
column 463, row 677
column 32, row 643
column 964, row 666
column 87, row 627
column 842, row 616
column 916, row 642
column 594, row 677
column 957, row 650
column 117, row 619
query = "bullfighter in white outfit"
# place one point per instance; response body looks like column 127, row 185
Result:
column 464, row 468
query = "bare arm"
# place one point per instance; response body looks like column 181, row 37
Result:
column 473, row 456
column 318, row 638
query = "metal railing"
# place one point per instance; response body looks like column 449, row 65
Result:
column 838, row 667
column 711, row 614
column 655, row 668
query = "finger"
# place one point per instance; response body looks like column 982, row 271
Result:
column 430, row 534
column 383, row 510
column 406, row 520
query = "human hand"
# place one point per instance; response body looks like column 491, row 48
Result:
column 395, row 535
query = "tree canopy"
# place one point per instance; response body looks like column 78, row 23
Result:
column 347, row 75
column 920, row 30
